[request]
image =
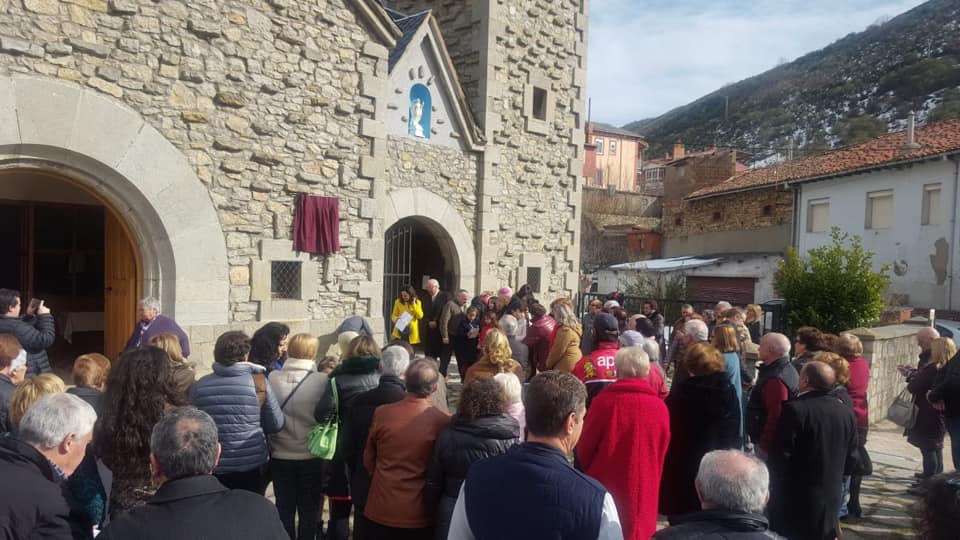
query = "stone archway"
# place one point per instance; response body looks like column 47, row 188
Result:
column 435, row 212
column 111, row 151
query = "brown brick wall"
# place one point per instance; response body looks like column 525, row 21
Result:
column 697, row 172
column 749, row 210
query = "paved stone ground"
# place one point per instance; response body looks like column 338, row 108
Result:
column 888, row 510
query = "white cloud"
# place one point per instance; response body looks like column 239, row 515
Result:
column 647, row 57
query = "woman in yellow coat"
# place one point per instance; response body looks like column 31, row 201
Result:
column 407, row 303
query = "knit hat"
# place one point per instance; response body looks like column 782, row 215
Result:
column 610, row 304
column 344, row 339
column 605, row 322
column 504, row 291
column 631, row 338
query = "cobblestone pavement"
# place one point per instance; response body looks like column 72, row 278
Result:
column 888, row 510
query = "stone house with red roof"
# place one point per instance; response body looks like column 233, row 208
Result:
column 898, row 192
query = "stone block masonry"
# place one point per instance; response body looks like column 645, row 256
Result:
column 503, row 50
column 263, row 99
column 745, row 211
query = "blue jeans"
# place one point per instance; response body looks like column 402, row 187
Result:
column 953, row 428
column 844, row 493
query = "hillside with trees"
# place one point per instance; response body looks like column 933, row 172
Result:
column 860, row 86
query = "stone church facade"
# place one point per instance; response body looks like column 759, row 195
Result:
column 198, row 124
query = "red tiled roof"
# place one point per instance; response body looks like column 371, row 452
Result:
column 934, row 140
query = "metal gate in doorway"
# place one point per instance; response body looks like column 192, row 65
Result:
column 397, row 267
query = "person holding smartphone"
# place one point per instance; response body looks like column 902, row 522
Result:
column 35, row 330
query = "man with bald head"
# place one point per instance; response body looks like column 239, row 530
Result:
column 815, row 444
column 925, row 337
column 777, row 381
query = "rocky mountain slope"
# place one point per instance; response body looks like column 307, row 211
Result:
column 856, row 88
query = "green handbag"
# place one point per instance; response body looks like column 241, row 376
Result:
column 322, row 440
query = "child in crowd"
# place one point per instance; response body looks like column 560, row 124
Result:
column 489, row 323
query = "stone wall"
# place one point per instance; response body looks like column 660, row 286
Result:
column 749, row 210
column 265, row 99
column 887, row 347
column 449, row 173
column 531, row 170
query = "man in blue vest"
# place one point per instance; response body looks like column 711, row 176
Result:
column 532, row 491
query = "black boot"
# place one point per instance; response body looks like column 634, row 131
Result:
column 338, row 529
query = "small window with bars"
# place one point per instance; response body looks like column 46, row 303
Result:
column 285, row 280
column 534, row 274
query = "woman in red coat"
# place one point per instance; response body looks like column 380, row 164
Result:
column 849, row 347
column 624, row 442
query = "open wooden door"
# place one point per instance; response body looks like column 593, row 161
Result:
column 121, row 272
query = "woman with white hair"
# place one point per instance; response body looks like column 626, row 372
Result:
column 624, row 442
column 151, row 323
column 511, row 327
column 512, row 393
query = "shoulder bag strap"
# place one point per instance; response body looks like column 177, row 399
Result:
column 336, row 399
column 295, row 388
column 260, row 387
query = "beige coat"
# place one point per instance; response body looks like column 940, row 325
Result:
column 291, row 441
column 565, row 352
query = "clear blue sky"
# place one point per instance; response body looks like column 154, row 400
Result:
column 649, row 56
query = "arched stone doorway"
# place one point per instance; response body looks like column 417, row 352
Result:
column 425, row 236
column 66, row 246
column 108, row 151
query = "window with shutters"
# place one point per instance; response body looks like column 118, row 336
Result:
column 818, row 216
column 930, row 213
column 879, row 209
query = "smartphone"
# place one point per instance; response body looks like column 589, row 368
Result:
column 35, row 303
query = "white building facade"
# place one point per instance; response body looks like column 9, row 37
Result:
column 906, row 215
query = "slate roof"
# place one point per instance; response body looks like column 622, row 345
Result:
column 942, row 138
column 408, row 25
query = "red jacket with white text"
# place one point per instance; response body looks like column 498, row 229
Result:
column 597, row 370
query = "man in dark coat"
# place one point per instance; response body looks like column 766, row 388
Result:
column 34, row 331
column 733, row 489
column 777, row 382
column 433, row 303
column 32, row 503
column 393, row 363
column 191, row 503
column 815, row 444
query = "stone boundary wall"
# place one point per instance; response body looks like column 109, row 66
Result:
column 887, row 347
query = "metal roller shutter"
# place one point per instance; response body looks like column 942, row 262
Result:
column 737, row 291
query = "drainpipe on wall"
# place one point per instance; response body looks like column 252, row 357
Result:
column 795, row 232
column 953, row 230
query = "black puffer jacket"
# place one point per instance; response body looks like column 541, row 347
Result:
column 465, row 442
column 718, row 525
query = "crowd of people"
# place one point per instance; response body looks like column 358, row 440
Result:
column 567, row 426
